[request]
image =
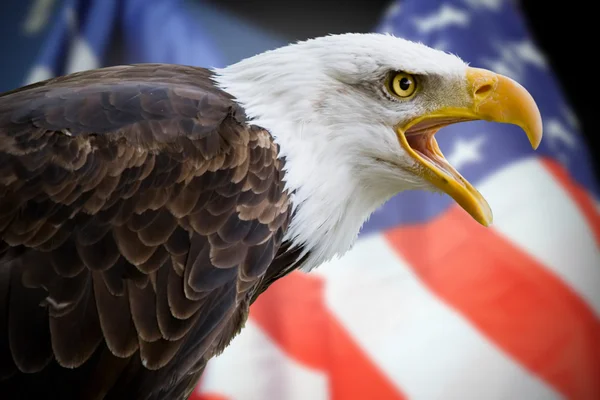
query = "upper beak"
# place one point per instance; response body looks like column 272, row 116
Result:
column 493, row 97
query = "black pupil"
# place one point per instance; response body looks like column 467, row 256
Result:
column 405, row 83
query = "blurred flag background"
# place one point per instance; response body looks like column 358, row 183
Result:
column 428, row 304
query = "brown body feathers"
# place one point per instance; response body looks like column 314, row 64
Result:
column 140, row 215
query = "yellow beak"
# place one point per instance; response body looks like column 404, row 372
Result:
column 493, row 98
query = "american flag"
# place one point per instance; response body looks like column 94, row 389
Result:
column 428, row 304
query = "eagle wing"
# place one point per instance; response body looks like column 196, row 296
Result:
column 138, row 213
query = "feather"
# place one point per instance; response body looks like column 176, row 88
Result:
column 206, row 223
column 115, row 319
column 53, row 242
column 157, row 354
column 179, row 242
column 28, row 334
column 257, row 234
column 92, row 232
column 156, row 260
column 99, row 256
column 64, row 294
column 113, row 277
column 159, row 230
column 229, row 257
column 258, row 259
column 73, row 347
column 184, row 202
column 234, row 229
column 137, row 222
column 219, row 204
column 181, row 307
column 171, row 327
column 143, row 311
column 131, row 246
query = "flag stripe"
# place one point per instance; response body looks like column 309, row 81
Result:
column 537, row 215
column 426, row 347
column 294, row 315
column 527, row 311
column 578, row 194
column 197, row 395
column 255, row 368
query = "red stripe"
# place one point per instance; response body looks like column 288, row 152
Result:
column 293, row 313
column 196, row 395
column 578, row 194
column 511, row 298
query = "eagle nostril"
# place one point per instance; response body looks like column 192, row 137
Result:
column 483, row 90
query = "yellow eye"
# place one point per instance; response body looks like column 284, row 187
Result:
column 403, row 84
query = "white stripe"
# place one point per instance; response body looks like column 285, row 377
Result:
column 536, row 213
column 254, row 368
column 426, row 348
column 81, row 57
column 37, row 17
column 37, row 74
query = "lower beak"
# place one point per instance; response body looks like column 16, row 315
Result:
column 493, row 98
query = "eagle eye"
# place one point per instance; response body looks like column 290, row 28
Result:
column 403, row 84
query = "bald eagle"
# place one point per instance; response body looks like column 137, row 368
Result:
column 145, row 207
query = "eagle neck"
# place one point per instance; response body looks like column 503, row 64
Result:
column 330, row 199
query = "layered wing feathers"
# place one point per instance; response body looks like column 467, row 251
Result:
column 138, row 214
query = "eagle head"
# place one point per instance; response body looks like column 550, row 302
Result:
column 355, row 116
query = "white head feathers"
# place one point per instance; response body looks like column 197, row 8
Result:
column 325, row 103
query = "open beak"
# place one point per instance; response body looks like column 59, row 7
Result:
column 494, row 98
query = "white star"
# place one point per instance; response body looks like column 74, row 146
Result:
column 527, row 51
column 571, row 117
column 392, row 10
column 560, row 139
column 441, row 45
column 465, row 152
column 38, row 16
column 490, row 4
column 558, row 135
column 445, row 16
column 387, row 28
column 38, row 73
column 514, row 57
column 81, row 57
